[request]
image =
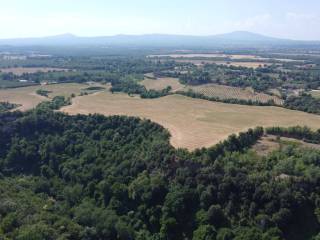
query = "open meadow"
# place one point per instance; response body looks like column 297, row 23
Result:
column 162, row 83
column 193, row 123
column 315, row 93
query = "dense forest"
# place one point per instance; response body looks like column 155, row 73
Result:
column 96, row 177
column 304, row 102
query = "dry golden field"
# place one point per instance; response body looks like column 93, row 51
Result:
column 315, row 93
column 21, row 70
column 28, row 99
column 227, row 92
column 162, row 83
column 193, row 123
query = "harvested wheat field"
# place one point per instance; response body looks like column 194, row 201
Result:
column 227, row 92
column 162, row 83
column 28, row 99
column 193, row 123
column 315, row 93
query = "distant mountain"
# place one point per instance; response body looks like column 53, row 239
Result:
column 240, row 38
column 247, row 36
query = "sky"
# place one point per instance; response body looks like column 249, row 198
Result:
column 293, row 19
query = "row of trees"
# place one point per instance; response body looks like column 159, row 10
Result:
column 193, row 94
column 297, row 132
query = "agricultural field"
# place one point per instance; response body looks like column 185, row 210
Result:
column 21, row 70
column 315, row 93
column 227, row 92
column 28, row 98
column 193, row 123
column 162, row 83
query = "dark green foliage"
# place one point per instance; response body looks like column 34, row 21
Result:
column 96, row 177
column 156, row 94
column 55, row 104
column 302, row 133
column 193, row 94
column 132, row 87
column 43, row 92
column 94, row 88
column 305, row 103
column 195, row 78
column 6, row 106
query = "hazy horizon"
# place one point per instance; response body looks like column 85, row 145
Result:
column 282, row 19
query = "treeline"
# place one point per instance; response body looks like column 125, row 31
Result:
column 297, row 132
column 132, row 87
column 196, row 77
column 43, row 92
column 235, row 143
column 55, row 104
column 193, row 94
column 304, row 102
column 6, row 106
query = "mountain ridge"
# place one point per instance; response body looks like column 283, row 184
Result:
column 232, row 38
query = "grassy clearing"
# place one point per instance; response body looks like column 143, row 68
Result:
column 193, row 123
column 227, row 92
column 21, row 70
column 162, row 83
column 315, row 93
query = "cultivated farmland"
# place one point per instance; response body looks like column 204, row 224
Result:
column 315, row 93
column 193, row 123
column 28, row 99
column 227, row 92
column 162, row 83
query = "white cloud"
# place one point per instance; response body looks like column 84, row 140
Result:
column 301, row 16
column 253, row 22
